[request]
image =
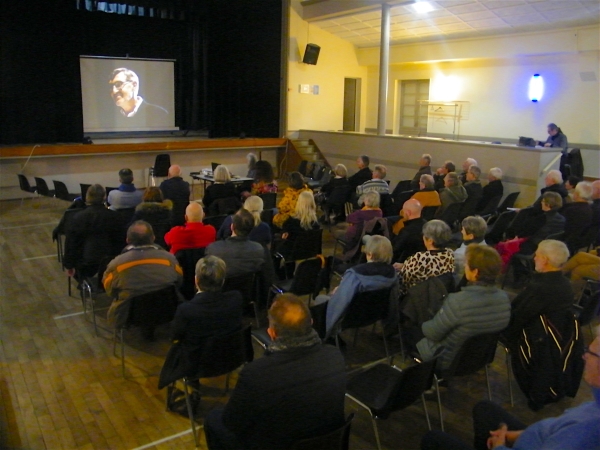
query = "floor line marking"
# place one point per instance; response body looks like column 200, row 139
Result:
column 27, row 226
column 175, row 436
column 39, row 257
column 68, row 315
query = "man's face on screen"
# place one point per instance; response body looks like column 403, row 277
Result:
column 122, row 90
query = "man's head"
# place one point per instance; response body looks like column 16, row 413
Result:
column 426, row 182
column 473, row 227
column 140, row 233
column 174, row 171
column 473, row 173
column 553, row 129
column 412, row 209
column 425, row 160
column 379, row 172
column 551, row 201
column 210, row 274
column 550, row 256
column 362, row 161
column 583, row 192
column 468, row 163
column 596, row 190
column 125, row 86
column 194, row 213
column 152, row 194
column 447, row 168
column 494, row 174
column 379, row 249
column 591, row 370
column 95, row 195
column 451, row 179
column 289, row 317
column 553, row 177
column 243, row 223
column 126, row 176
column 482, row 264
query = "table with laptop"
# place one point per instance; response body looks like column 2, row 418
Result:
column 206, row 176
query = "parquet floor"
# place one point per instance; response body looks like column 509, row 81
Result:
column 61, row 386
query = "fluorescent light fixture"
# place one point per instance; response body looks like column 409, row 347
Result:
column 536, row 88
column 422, row 7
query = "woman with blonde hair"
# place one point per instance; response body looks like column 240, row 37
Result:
column 261, row 232
column 221, row 188
column 304, row 218
column 287, row 205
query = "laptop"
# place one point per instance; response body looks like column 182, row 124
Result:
column 526, row 142
column 214, row 166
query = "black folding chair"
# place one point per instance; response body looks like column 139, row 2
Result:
column 62, row 192
column 450, row 214
column 246, row 284
column 42, row 188
column 306, row 279
column 269, row 200
column 490, row 207
column 187, row 259
column 588, row 306
column 160, row 168
column 402, row 197
column 428, row 212
column 25, row 186
column 334, row 440
column 215, row 221
column 308, row 244
column 496, row 232
column 508, row 202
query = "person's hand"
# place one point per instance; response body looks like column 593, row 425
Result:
column 70, row 272
column 284, row 235
column 498, row 437
column 547, row 144
column 398, row 266
column 334, row 289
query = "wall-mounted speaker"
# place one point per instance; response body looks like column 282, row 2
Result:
column 311, row 54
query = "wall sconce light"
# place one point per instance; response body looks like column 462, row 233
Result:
column 536, row 88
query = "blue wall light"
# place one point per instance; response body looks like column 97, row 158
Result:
column 536, row 88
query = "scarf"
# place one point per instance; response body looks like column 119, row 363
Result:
column 289, row 343
column 127, row 187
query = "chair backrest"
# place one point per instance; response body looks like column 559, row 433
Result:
column 24, row 183
column 42, row 187
column 450, row 214
column 402, row 186
column 187, row 259
column 387, row 205
column 215, row 221
column 84, row 187
column 220, row 355
column 245, row 284
column 589, row 303
column 306, row 276
column 327, row 173
column 61, row 191
column 318, row 173
column 401, row 197
column 508, row 202
column 339, row 196
column 497, row 230
column 334, row 440
column 227, row 206
column 490, row 207
column 413, row 382
column 428, row 212
column 126, row 214
column 161, row 165
column 468, row 207
column 308, row 243
column 302, row 167
column 366, row 308
column 474, row 354
column 267, row 216
column 269, row 200
column 153, row 308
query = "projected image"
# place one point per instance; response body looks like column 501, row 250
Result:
column 125, row 87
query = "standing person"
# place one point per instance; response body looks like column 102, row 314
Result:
column 295, row 391
column 126, row 196
column 177, row 190
column 424, row 169
column 364, row 173
column 556, row 138
column 287, row 205
column 194, row 234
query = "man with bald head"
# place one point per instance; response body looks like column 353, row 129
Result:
column 294, row 392
column 194, row 234
column 178, row 191
column 410, row 239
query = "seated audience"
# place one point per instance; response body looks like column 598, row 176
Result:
column 377, row 184
column 410, row 238
column 441, row 173
column 479, row 308
column 194, row 234
column 494, row 428
column 426, row 196
column 424, row 169
column 377, row 273
column 493, row 189
column 252, row 160
column 126, row 196
column 465, row 169
column 178, row 191
column 538, row 227
column 339, row 180
column 304, row 218
column 454, row 192
column 363, row 175
column 290, row 196
column 578, row 216
column 93, row 234
column 473, row 229
column 221, row 188
column 570, row 185
column 261, row 232
column 295, row 391
column 436, row 260
column 553, row 181
column 334, row 195
column 548, row 290
column 583, row 265
column 157, row 212
column 473, row 184
column 356, row 219
column 143, row 267
column 264, row 180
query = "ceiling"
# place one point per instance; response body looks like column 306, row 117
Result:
column 359, row 21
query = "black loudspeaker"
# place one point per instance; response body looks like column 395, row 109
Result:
column 311, row 54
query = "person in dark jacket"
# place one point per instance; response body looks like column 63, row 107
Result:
column 364, row 173
column 578, row 216
column 177, row 190
column 335, row 194
column 304, row 218
column 556, row 138
column 295, row 391
column 553, row 183
column 454, row 192
column 539, row 227
column 157, row 212
column 261, row 232
column 410, row 239
column 473, row 184
column 548, row 290
column 221, row 188
column 424, row 169
column 441, row 173
column 492, row 190
column 93, row 234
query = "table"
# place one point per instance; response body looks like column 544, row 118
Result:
column 209, row 179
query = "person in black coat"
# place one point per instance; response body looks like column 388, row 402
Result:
column 177, row 190
column 363, row 174
column 410, row 239
column 539, row 227
column 221, row 188
column 578, row 216
column 556, row 138
column 491, row 190
column 473, row 184
column 294, row 392
column 424, row 169
column 553, row 183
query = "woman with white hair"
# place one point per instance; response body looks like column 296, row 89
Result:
column 493, row 189
column 261, row 232
column 578, row 216
column 356, row 219
column 221, row 188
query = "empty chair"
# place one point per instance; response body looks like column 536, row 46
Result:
column 496, row 232
column 215, row 221
column 42, row 188
column 25, row 186
column 468, row 207
column 428, row 212
column 269, row 200
column 334, row 440
column 323, row 180
column 402, row 186
column 508, row 202
column 306, row 279
column 160, row 168
column 62, row 192
column 490, row 207
column 84, row 187
column 246, row 284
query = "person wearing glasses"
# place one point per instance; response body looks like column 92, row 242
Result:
column 494, row 428
column 124, row 90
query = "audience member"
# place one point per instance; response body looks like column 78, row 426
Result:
column 493, row 189
column 454, row 192
column 363, row 175
column 473, row 229
column 578, row 216
column 194, row 234
column 126, row 196
column 222, row 188
column 261, row 232
column 356, row 219
column 93, row 234
column 252, row 160
column 304, row 218
column 287, row 204
column 441, row 173
column 494, row 428
column 426, row 196
column 295, row 391
column 553, row 181
column 339, row 180
column 177, row 190
column 538, row 227
column 556, row 138
column 377, row 184
column 465, row 169
column 583, row 265
column 410, row 238
column 142, row 268
column 335, row 194
column 570, row 185
column 424, row 169
column 157, row 212
column 473, row 184
column 264, row 180
column 479, row 308
column 377, row 273
column 596, row 209
column 436, row 260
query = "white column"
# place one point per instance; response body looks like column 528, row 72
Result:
column 384, row 60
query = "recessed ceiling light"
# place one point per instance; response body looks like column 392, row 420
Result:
column 422, row 7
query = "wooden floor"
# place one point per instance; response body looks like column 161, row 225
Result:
column 61, row 386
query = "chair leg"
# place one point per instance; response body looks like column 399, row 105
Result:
column 439, row 400
column 190, row 412
column 385, row 346
column 122, row 355
column 376, row 432
column 170, row 389
column 426, row 412
column 256, row 314
column 487, row 380
column 509, row 375
column 69, row 285
column 337, row 341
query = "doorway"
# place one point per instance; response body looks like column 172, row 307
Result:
column 351, row 104
column 413, row 117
